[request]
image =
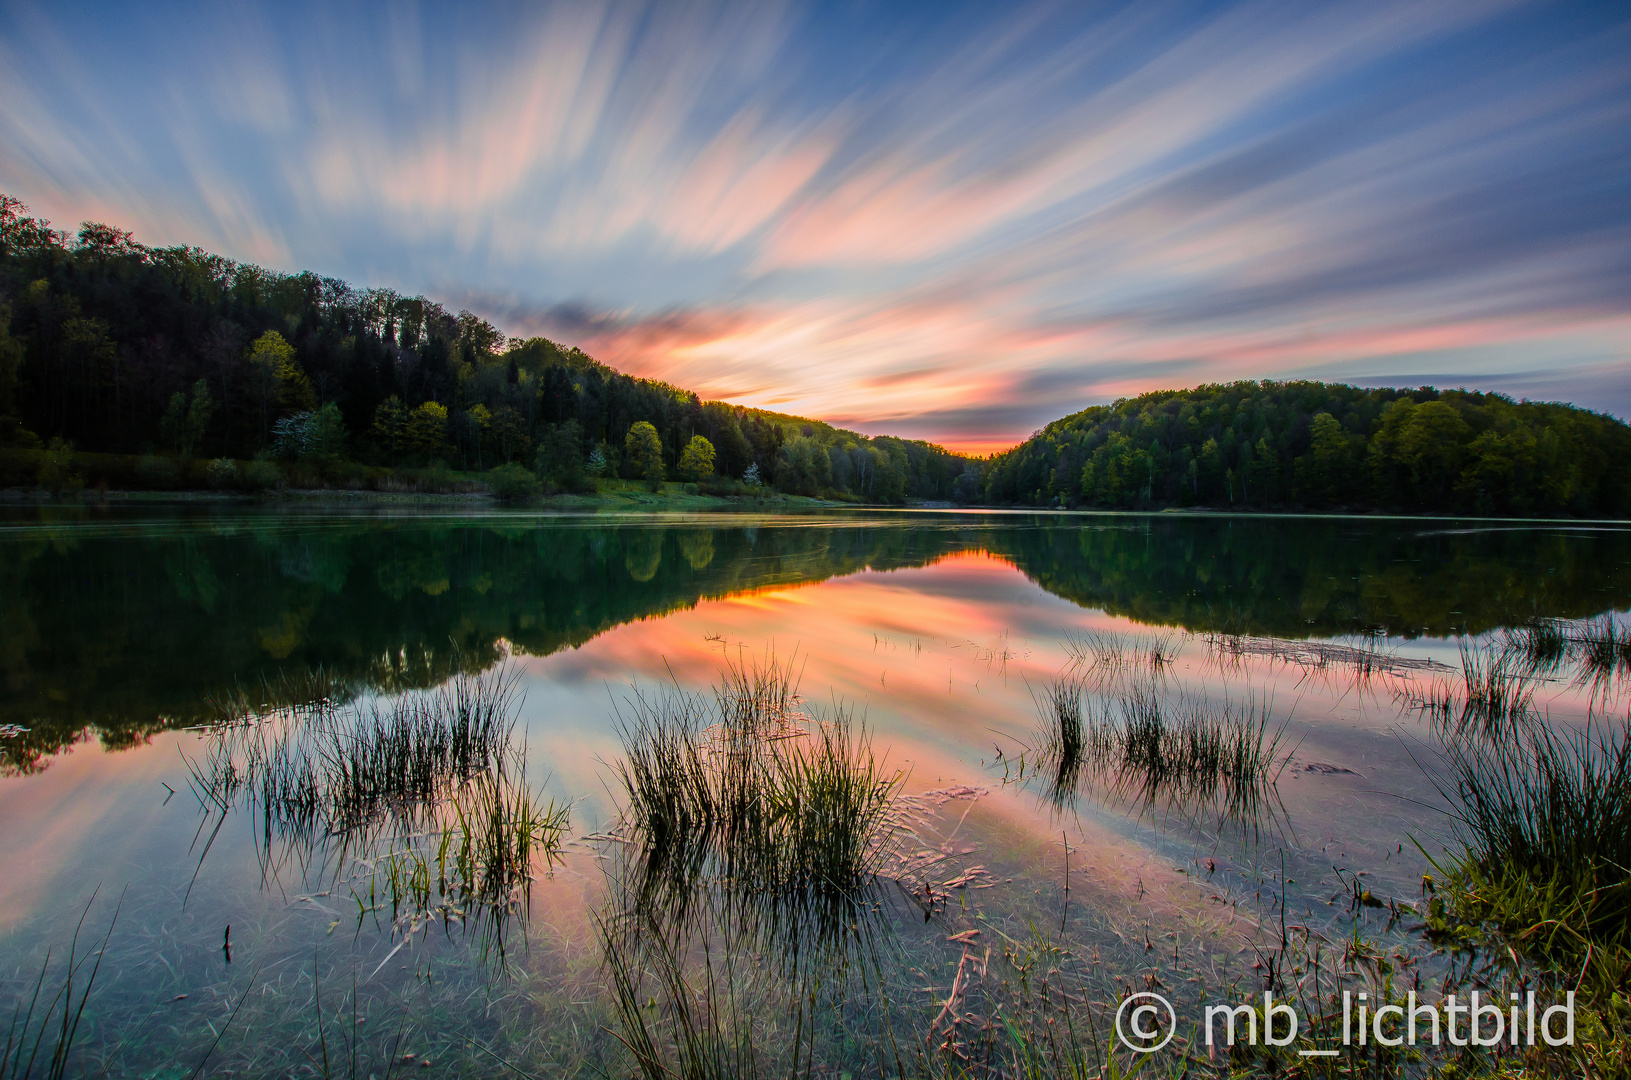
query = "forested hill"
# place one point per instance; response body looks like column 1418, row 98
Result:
column 1311, row 445
column 181, row 368
column 208, row 368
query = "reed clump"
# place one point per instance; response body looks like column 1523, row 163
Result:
column 1604, row 648
column 1104, row 654
column 420, row 802
column 1544, row 828
column 1543, row 646
column 475, row 864
column 746, row 898
column 1154, row 747
column 775, row 800
column 1498, row 692
column 337, row 770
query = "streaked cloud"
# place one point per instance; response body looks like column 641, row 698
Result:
column 955, row 224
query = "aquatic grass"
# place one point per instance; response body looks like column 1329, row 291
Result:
column 60, row 1016
column 1200, row 747
column 801, row 819
column 339, row 770
column 419, row 803
column 1363, row 661
column 1604, row 648
column 307, row 689
column 758, row 698
column 1544, row 825
column 1497, row 691
column 1060, row 703
column 475, row 865
column 1436, row 698
column 785, row 825
column 1543, row 646
column 412, row 751
column 742, row 981
column 1151, row 748
column 1106, row 654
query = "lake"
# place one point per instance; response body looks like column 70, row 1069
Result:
column 177, row 678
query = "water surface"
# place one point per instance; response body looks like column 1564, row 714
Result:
column 124, row 634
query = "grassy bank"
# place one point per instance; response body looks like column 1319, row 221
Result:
column 59, row 475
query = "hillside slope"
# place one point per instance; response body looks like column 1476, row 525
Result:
column 1312, row 445
column 125, row 349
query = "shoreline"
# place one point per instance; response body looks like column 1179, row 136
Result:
column 637, row 498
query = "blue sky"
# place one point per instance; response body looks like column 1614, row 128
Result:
column 946, row 222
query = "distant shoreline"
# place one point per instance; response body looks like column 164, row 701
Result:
column 634, row 499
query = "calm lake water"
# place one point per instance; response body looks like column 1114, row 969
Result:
column 125, row 637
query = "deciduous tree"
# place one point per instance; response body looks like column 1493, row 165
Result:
column 643, row 451
column 697, row 459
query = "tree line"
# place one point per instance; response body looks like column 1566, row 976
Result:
column 179, row 355
column 108, row 345
column 1312, row 445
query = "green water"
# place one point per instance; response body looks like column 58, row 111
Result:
column 122, row 633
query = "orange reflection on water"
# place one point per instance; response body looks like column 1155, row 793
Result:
column 940, row 660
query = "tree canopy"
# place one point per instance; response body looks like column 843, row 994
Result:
column 99, row 333
column 110, row 346
column 1313, row 445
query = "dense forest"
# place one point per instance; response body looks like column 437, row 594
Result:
column 203, row 369
column 172, row 367
column 1311, row 445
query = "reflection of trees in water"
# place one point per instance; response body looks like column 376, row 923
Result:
column 130, row 626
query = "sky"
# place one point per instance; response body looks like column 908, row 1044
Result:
column 941, row 221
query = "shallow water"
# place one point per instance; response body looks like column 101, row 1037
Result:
column 124, row 634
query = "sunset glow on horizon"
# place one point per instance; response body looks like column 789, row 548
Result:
column 948, row 223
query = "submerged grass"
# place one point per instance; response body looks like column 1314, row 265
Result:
column 1105, row 655
column 49, row 1026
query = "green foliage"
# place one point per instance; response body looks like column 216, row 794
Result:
column 80, row 357
column 426, row 431
column 78, row 360
column 803, row 466
column 157, row 473
column 326, row 434
column 560, row 457
column 643, row 452
column 184, row 424
column 1550, row 810
column 11, row 362
column 1271, row 445
column 261, row 476
column 56, row 467
column 697, row 459
column 512, row 483
column 390, row 426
